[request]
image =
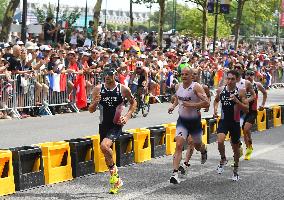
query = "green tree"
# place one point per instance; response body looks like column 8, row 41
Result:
column 97, row 10
column 8, row 19
column 3, row 6
column 202, row 6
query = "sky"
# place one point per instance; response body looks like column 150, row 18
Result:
column 111, row 4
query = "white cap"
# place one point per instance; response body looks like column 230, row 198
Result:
column 19, row 42
column 45, row 48
column 86, row 54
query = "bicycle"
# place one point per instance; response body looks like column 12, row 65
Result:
column 143, row 103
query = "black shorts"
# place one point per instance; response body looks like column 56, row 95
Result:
column 232, row 127
column 111, row 132
column 193, row 127
column 250, row 117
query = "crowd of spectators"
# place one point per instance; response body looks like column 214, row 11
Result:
column 34, row 63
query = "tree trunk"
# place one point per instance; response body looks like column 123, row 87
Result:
column 161, row 22
column 131, row 18
column 97, row 11
column 8, row 19
column 205, row 24
column 238, row 22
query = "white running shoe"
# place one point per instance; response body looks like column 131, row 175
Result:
column 174, row 178
column 220, row 167
column 236, row 177
column 183, row 169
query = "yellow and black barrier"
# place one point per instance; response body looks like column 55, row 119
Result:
column 57, row 162
column 7, row 185
column 261, row 120
column 158, row 141
column 211, row 130
column 204, row 131
column 170, row 138
column 28, row 167
column 142, row 145
column 276, row 116
column 124, row 147
column 82, row 156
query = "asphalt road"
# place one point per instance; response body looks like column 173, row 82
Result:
column 67, row 126
column 261, row 178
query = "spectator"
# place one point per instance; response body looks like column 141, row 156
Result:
column 49, row 30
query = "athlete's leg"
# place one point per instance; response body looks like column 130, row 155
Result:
column 247, row 134
column 190, row 149
column 178, row 152
column 235, row 132
column 221, row 146
column 107, row 151
column 181, row 135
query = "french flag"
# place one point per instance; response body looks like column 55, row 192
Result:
column 57, row 82
column 170, row 79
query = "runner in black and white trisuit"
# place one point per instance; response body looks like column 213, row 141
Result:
column 109, row 97
column 247, row 86
column 233, row 100
column 250, row 117
column 190, row 97
column 190, row 148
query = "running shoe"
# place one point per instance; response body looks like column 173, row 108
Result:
column 236, row 176
column 220, row 167
column 183, row 168
column 116, row 186
column 113, row 175
column 204, row 156
column 248, row 153
column 174, row 178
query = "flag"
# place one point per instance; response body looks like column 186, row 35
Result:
column 170, row 79
column 225, row 6
column 56, row 83
column 63, row 82
column 281, row 20
column 211, row 6
column 50, row 81
column 81, row 95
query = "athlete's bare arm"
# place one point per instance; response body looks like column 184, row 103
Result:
column 249, row 89
column 96, row 97
column 244, row 104
column 204, row 102
column 126, row 93
column 175, row 101
column 207, row 92
column 216, row 101
column 264, row 96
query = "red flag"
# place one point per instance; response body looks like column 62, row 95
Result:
column 81, row 95
column 282, row 19
column 63, row 82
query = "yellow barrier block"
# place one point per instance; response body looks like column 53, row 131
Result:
column 276, row 116
column 170, row 140
column 142, row 144
column 261, row 120
column 57, row 162
column 100, row 163
column 170, row 124
column 204, row 130
column 7, row 185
